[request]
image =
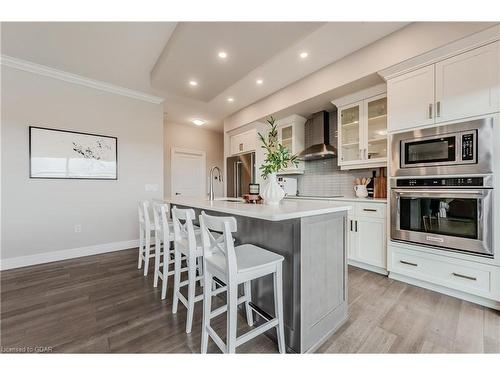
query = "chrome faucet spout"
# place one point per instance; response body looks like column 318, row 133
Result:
column 211, row 195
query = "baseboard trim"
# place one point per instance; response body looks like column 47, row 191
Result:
column 444, row 290
column 368, row 267
column 54, row 256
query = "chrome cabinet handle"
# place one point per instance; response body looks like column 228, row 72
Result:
column 430, row 110
column 370, row 209
column 355, row 225
column 408, row 263
column 351, row 224
column 464, row 276
column 438, row 109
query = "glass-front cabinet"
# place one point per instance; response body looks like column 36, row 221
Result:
column 362, row 130
column 291, row 135
column 350, row 132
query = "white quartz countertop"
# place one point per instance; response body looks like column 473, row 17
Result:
column 339, row 199
column 287, row 209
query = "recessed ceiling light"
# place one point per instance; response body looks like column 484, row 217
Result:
column 259, row 82
column 303, row 55
column 198, row 122
column 193, row 83
column 230, row 100
column 222, row 54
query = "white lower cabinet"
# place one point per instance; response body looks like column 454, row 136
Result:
column 445, row 273
column 367, row 236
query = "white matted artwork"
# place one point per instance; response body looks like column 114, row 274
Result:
column 71, row 155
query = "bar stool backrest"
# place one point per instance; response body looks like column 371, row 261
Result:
column 184, row 231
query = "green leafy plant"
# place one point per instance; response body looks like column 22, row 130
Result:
column 278, row 156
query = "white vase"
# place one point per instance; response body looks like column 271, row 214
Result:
column 272, row 193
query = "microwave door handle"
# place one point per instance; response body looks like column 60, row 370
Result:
column 450, row 193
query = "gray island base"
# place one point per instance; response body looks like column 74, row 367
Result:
column 312, row 237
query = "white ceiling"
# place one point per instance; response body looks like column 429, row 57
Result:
column 161, row 58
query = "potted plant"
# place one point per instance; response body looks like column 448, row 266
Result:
column 278, row 157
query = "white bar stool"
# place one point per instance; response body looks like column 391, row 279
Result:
column 187, row 242
column 146, row 241
column 164, row 234
column 234, row 266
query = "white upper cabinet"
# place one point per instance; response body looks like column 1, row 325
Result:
column 243, row 142
column 468, row 84
column 362, row 129
column 465, row 85
column 410, row 99
column 291, row 133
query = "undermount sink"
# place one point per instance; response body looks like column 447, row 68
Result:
column 230, row 199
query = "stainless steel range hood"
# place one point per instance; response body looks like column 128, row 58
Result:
column 321, row 147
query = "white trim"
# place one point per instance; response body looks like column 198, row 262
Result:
column 465, row 44
column 203, row 155
column 444, row 290
column 358, row 96
column 54, row 256
column 368, row 267
column 46, row 71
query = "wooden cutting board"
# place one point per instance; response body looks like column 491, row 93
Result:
column 380, row 185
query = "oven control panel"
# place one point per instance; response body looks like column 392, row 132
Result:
column 468, row 146
column 440, row 182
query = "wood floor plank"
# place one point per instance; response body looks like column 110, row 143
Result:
column 103, row 304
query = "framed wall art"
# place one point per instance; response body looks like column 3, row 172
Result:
column 64, row 154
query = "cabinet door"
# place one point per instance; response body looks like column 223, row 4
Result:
column 468, row 84
column 235, row 144
column 410, row 99
column 286, row 136
column 350, row 137
column 376, row 128
column 352, row 238
column 371, row 241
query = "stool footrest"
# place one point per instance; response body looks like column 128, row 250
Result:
column 218, row 341
column 256, row 331
column 223, row 309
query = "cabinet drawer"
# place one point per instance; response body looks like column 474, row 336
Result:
column 371, row 209
column 469, row 277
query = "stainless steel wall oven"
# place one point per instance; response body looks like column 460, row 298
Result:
column 450, row 213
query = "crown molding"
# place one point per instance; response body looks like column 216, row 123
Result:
column 76, row 79
column 476, row 40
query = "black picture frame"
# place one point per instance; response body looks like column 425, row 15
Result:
column 30, row 139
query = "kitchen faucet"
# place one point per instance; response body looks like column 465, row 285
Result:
column 211, row 195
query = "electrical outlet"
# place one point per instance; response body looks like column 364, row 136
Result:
column 78, row 228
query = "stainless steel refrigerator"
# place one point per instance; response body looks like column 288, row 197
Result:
column 240, row 173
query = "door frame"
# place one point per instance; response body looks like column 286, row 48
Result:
column 203, row 155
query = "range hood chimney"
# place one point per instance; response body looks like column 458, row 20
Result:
column 320, row 124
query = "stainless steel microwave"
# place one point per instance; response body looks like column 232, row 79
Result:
column 456, row 149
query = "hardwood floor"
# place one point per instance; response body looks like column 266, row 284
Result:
column 103, row 304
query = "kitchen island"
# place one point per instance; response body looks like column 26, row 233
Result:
column 312, row 237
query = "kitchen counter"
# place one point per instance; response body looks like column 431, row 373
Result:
column 311, row 235
column 339, row 199
column 287, row 209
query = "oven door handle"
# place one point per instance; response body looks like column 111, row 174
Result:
column 448, row 192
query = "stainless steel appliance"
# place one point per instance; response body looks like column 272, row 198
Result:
column 457, row 149
column 240, row 174
column 450, row 213
column 318, row 144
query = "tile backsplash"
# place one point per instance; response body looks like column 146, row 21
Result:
column 325, row 178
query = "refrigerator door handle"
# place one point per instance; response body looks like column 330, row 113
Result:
column 238, row 179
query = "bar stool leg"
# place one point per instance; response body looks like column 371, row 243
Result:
column 191, row 293
column 248, row 296
column 177, row 280
column 166, row 266
column 141, row 248
column 207, row 310
column 278, row 308
column 232, row 307
column 157, row 261
column 146, row 252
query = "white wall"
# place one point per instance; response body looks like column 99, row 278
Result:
column 195, row 138
column 38, row 216
column 403, row 44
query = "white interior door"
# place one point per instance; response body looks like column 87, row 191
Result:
column 188, row 177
